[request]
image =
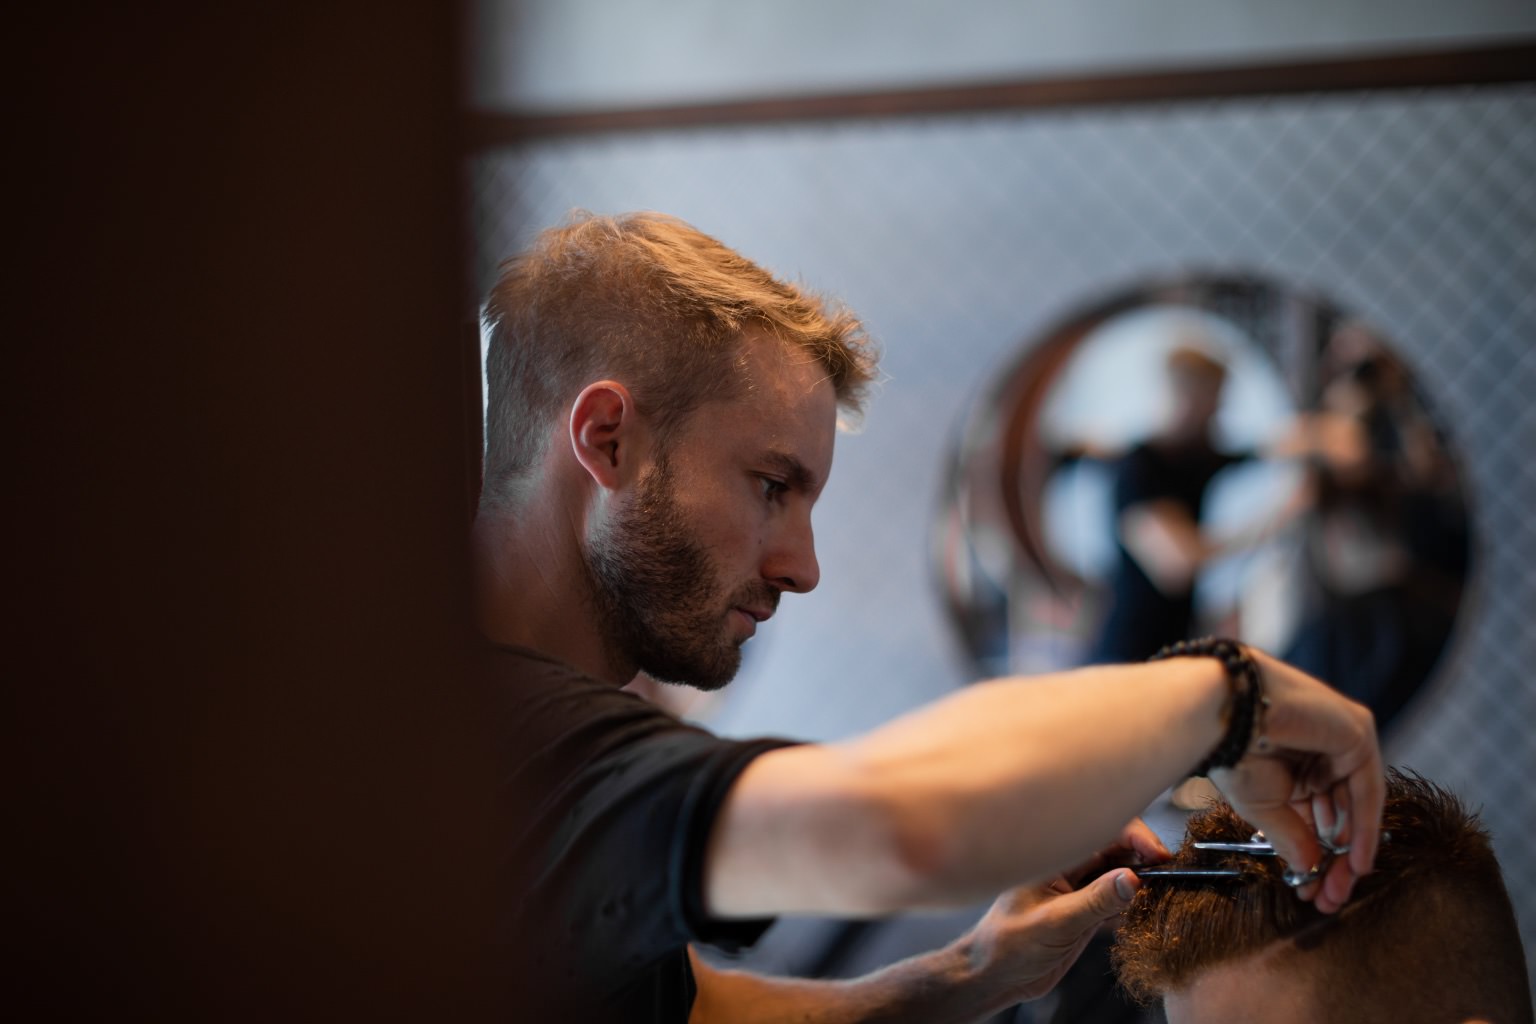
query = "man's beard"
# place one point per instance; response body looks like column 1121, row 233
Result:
column 660, row 601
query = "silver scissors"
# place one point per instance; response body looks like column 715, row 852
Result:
column 1257, row 846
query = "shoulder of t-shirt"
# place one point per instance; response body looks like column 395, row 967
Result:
column 541, row 692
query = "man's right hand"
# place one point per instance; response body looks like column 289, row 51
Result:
column 1313, row 768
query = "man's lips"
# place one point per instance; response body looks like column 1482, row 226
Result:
column 751, row 617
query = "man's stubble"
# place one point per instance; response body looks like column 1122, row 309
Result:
column 659, row 598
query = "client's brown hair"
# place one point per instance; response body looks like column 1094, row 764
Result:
column 1429, row 935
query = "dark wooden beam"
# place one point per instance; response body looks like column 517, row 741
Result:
column 1515, row 62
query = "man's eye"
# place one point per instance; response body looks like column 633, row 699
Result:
column 772, row 488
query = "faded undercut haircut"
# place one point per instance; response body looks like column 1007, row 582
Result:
column 1428, row 935
column 651, row 302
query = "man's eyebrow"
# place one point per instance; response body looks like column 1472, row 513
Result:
column 795, row 473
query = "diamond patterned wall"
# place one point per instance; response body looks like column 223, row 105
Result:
column 958, row 237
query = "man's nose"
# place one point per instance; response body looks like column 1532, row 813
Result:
column 792, row 564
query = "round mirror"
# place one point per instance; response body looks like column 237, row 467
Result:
column 1212, row 455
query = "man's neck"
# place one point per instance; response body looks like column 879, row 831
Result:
column 530, row 591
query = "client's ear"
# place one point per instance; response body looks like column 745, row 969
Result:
column 606, row 434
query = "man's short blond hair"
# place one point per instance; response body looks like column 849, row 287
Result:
column 647, row 300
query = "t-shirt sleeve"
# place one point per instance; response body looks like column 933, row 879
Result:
column 686, row 896
column 612, row 805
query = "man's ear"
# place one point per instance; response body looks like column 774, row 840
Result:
column 606, row 433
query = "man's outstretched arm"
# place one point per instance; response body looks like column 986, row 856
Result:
column 1006, row 782
column 1017, row 952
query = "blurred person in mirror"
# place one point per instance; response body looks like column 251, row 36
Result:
column 661, row 414
column 1161, row 540
column 1429, row 937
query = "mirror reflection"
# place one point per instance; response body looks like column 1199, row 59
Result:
column 1216, row 455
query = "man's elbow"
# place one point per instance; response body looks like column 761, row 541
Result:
column 814, row 830
column 915, row 859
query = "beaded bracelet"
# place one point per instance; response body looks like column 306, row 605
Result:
column 1245, row 709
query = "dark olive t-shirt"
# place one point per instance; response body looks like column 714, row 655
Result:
column 608, row 803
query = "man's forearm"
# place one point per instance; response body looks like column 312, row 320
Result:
column 999, row 784
column 927, row 989
column 1019, row 950
column 1020, row 779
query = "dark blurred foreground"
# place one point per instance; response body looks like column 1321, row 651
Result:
column 243, row 773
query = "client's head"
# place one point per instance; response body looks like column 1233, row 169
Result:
column 1428, row 936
